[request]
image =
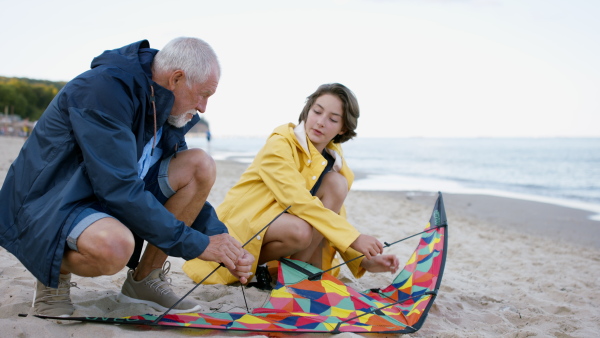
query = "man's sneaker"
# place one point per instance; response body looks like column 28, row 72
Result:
column 54, row 302
column 263, row 279
column 155, row 291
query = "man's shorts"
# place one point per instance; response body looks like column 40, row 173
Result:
column 156, row 182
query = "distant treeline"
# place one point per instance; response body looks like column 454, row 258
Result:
column 26, row 98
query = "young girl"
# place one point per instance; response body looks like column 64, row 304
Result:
column 300, row 166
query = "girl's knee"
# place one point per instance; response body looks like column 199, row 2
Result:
column 334, row 187
column 300, row 234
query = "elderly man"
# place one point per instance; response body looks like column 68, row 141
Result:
column 107, row 168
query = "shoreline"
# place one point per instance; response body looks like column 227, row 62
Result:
column 569, row 209
column 514, row 268
column 529, row 217
column 385, row 183
column 396, row 183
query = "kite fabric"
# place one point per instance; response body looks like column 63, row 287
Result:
column 306, row 299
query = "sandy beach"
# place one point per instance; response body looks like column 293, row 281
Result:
column 514, row 269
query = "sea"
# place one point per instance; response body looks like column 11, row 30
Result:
column 560, row 171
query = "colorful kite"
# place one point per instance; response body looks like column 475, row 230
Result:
column 307, row 299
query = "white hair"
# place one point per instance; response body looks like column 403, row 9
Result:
column 193, row 56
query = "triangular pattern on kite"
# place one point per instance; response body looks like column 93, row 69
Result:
column 300, row 304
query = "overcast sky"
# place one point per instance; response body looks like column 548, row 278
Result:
column 419, row 68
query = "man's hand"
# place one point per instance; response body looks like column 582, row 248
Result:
column 224, row 249
column 381, row 263
column 367, row 245
column 243, row 267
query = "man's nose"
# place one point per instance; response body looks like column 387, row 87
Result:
column 201, row 107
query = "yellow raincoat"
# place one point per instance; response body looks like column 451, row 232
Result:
column 281, row 175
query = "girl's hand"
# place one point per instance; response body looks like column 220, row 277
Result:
column 367, row 245
column 381, row 263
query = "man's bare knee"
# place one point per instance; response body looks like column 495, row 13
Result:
column 115, row 252
column 203, row 164
column 193, row 165
column 107, row 245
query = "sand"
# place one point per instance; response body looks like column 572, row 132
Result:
column 514, row 269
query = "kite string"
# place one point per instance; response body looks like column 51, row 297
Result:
column 215, row 269
column 418, row 233
column 244, row 295
column 316, row 275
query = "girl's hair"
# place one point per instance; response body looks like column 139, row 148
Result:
column 349, row 107
column 193, row 56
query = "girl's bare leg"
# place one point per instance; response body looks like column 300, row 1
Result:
column 332, row 193
column 285, row 236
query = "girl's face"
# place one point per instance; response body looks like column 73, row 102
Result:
column 324, row 120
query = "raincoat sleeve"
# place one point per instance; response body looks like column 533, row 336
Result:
column 208, row 223
column 102, row 130
column 279, row 170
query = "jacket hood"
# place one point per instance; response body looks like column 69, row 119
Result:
column 136, row 59
column 138, row 55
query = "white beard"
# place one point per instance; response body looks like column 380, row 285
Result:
column 178, row 121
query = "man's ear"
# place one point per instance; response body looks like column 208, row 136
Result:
column 176, row 78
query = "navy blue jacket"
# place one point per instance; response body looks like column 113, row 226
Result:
column 84, row 149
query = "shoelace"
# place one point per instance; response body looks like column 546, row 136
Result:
column 60, row 294
column 162, row 283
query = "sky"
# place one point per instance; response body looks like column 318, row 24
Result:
column 419, row 68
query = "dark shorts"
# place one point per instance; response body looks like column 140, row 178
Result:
column 156, row 182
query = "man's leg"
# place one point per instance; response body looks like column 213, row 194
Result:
column 103, row 248
column 191, row 175
column 98, row 245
